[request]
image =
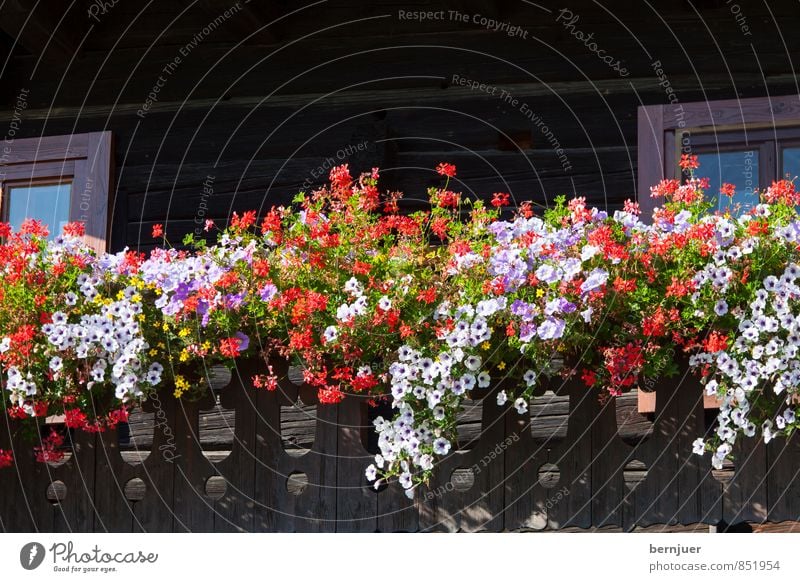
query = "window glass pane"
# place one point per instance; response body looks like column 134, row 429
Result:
column 739, row 168
column 48, row 203
column 791, row 163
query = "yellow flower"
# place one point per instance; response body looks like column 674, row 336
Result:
column 165, row 326
column 141, row 316
column 153, row 353
column 184, row 332
column 501, row 366
column 136, row 298
column 184, row 357
column 206, row 345
column 120, row 295
column 540, row 292
column 485, row 345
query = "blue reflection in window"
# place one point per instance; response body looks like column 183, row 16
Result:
column 739, row 168
column 791, row 163
column 48, row 203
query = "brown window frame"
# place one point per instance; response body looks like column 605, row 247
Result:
column 755, row 121
column 84, row 159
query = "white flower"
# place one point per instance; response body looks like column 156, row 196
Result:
column 385, row 303
column 484, row 380
column 426, row 462
column 521, row 405
column 371, row 473
column 343, row 312
column 473, row 363
column 56, row 363
column 698, row 447
column 530, row 378
column 405, row 480
column 353, row 287
column 441, row 446
column 502, row 398
column 5, row 344
column 331, row 333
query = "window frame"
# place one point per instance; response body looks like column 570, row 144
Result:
column 85, row 159
column 661, row 129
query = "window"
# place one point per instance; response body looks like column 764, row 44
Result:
column 57, row 180
column 746, row 142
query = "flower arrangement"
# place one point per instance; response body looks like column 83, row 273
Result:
column 72, row 338
column 421, row 308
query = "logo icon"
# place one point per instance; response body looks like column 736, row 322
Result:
column 32, row 555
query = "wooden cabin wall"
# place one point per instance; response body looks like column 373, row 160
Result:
column 248, row 110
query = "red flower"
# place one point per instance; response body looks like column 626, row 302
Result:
column 48, row 451
column 330, row 395
column 266, row 381
column 244, row 221
column 448, row 199
column 664, row 188
column 74, row 418
column 783, row 191
column 624, row 285
column 439, row 226
column 445, row 169
column 526, row 209
column 6, row 459
column 361, row 268
column 75, row 229
column 340, row 177
column 158, row 230
column 427, row 295
column 716, row 342
column 231, row 346
column 679, row 288
column 728, row 190
column 5, row 229
column 271, row 222
column 500, row 199
column 632, row 207
column 757, row 227
column 33, row 227
column 589, row 378
column 689, row 162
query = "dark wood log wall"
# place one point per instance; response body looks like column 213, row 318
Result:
column 253, row 103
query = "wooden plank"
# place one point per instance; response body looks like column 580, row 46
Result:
column 783, row 491
column 294, row 493
column 193, row 511
column 614, row 432
column 574, row 459
column 46, row 149
column 745, row 495
column 650, row 147
column 235, row 509
column 466, row 492
column 356, row 500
